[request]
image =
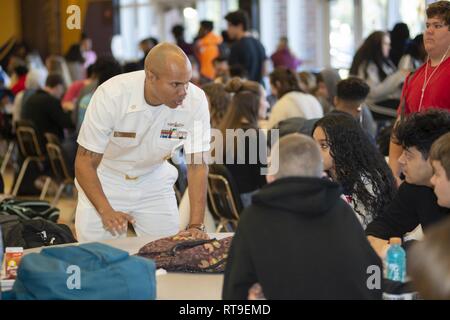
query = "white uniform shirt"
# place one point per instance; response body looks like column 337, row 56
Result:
column 135, row 137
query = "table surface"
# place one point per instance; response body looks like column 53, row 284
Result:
column 174, row 286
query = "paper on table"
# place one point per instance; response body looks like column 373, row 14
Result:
column 161, row 272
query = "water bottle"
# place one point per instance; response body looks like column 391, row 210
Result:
column 396, row 261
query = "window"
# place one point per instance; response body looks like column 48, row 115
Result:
column 375, row 13
column 412, row 12
column 215, row 11
column 342, row 37
column 135, row 25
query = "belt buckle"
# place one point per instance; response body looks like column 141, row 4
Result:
column 127, row 177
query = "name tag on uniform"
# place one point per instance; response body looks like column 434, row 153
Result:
column 173, row 134
column 120, row 134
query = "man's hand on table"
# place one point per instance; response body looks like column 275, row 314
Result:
column 194, row 232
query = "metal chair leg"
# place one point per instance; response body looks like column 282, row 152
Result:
column 7, row 157
column 219, row 227
column 20, row 176
column 47, row 182
column 58, row 194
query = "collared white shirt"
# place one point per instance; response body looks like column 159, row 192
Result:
column 134, row 136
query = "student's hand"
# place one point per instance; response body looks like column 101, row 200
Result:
column 379, row 245
column 256, row 293
column 116, row 222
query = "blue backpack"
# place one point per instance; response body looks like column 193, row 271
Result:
column 92, row 271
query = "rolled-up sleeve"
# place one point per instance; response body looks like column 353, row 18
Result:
column 98, row 123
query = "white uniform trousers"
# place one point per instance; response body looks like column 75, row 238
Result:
column 150, row 199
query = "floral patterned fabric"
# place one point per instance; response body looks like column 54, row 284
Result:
column 187, row 254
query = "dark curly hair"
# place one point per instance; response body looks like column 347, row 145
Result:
column 358, row 163
column 420, row 130
column 353, row 89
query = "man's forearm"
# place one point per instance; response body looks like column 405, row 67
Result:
column 87, row 178
column 197, row 181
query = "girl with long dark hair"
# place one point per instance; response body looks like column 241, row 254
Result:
column 248, row 105
column 352, row 160
column 372, row 63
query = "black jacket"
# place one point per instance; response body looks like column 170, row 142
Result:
column 47, row 115
column 300, row 240
column 246, row 168
column 413, row 205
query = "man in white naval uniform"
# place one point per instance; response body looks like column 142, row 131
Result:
column 133, row 123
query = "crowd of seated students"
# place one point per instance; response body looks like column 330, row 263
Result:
column 53, row 97
column 261, row 265
column 334, row 201
column 299, row 239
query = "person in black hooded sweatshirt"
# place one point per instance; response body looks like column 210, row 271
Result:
column 299, row 239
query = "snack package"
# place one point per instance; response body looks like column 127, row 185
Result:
column 12, row 261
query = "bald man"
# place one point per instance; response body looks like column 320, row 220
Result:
column 132, row 125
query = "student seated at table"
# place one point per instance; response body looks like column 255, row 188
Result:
column 353, row 161
column 248, row 105
column 292, row 101
column 350, row 97
column 429, row 259
column 415, row 203
column 299, row 239
column 440, row 162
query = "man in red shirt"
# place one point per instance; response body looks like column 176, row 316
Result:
column 428, row 87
